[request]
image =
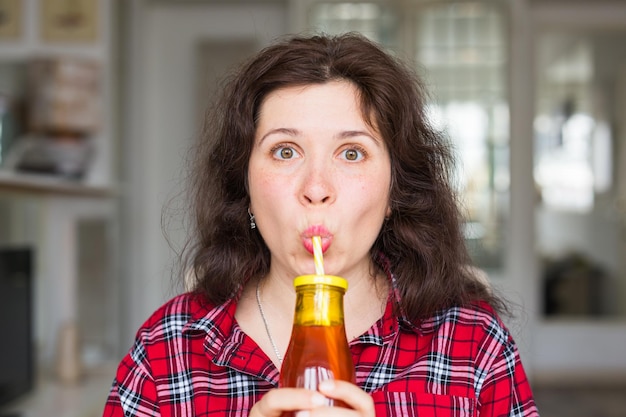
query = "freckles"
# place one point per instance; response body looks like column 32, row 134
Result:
column 272, row 184
column 363, row 183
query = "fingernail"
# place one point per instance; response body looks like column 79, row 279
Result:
column 317, row 400
column 302, row 413
column 327, row 385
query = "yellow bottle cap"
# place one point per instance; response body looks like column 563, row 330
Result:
column 320, row 279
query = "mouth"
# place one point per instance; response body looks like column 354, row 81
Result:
column 317, row 230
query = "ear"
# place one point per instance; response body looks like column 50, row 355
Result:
column 388, row 212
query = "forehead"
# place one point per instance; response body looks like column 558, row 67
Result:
column 339, row 93
column 335, row 88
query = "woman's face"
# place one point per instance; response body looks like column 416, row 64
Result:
column 317, row 168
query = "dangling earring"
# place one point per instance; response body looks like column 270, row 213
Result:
column 252, row 222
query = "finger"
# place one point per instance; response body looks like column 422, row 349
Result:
column 279, row 400
column 349, row 393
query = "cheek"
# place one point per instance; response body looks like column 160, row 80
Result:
column 373, row 191
column 266, row 189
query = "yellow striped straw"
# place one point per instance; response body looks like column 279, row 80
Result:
column 318, row 257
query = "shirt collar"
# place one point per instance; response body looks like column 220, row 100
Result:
column 217, row 322
column 224, row 341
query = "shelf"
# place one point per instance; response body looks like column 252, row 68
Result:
column 46, row 184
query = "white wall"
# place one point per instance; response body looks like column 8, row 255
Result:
column 161, row 124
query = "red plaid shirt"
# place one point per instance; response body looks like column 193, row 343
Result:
column 192, row 359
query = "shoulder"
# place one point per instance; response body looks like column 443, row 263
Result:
column 477, row 324
column 162, row 334
column 143, row 370
column 171, row 317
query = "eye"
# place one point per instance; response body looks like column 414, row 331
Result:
column 353, row 154
column 284, row 152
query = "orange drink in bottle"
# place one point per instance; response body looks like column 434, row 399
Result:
column 318, row 348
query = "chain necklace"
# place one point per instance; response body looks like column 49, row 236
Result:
column 267, row 327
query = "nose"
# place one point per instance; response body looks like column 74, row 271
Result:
column 318, row 185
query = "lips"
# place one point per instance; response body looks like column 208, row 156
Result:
column 317, row 230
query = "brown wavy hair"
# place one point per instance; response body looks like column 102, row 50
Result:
column 421, row 242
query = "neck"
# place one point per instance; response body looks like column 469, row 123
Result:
column 277, row 351
column 364, row 304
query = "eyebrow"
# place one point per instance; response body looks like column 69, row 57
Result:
column 353, row 133
column 342, row 135
column 283, row 130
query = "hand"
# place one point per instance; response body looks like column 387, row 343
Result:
column 312, row 403
column 361, row 402
column 279, row 400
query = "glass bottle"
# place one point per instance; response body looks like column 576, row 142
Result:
column 318, row 348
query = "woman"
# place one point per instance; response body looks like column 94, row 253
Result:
column 325, row 136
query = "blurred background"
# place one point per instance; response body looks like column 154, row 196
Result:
column 100, row 100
